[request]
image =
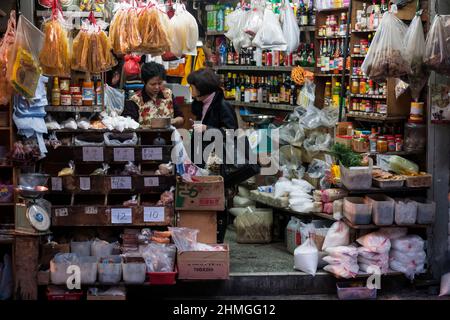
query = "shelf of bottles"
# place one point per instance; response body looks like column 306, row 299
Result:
column 257, row 69
column 374, row 117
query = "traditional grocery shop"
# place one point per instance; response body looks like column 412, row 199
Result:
column 163, row 148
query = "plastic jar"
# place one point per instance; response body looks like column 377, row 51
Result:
column 391, row 143
column 415, row 137
column 74, row 89
column 356, row 49
column 362, row 86
column 355, row 86
column 382, row 145
column 88, row 93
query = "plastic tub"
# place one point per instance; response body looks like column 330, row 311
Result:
column 88, row 268
column 425, row 212
column 110, row 270
column 83, row 248
column 100, row 248
column 405, row 212
column 162, row 278
column 355, row 291
column 388, row 184
column 134, row 270
column 357, row 210
column 423, row 181
column 58, row 272
column 382, row 209
column 357, row 178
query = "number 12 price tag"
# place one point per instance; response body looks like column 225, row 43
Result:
column 121, row 216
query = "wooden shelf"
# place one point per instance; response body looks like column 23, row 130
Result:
column 6, row 240
column 332, row 10
column 74, row 14
column 282, row 107
column 379, row 190
column 353, row 56
column 375, row 118
column 73, row 109
column 5, row 128
column 364, row 31
column 368, row 96
column 318, row 74
column 258, row 69
column 7, row 204
column 77, row 131
column 215, row 33
column 324, row 215
column 332, row 37
column 373, row 226
column 307, row 28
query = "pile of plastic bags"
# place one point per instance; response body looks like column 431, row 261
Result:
column 342, row 261
column 408, row 255
column 374, row 253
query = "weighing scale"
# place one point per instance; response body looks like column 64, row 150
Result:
column 32, row 216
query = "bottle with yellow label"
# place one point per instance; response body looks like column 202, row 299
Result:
column 56, row 92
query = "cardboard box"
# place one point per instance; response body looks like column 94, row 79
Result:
column 204, row 221
column 204, row 265
column 204, row 194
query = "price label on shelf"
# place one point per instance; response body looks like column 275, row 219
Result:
column 123, row 154
column 85, row 183
column 61, row 212
column 121, row 216
column 121, row 183
column 91, row 210
column 152, row 154
column 153, row 214
column 94, row 154
column 151, row 182
column 56, row 184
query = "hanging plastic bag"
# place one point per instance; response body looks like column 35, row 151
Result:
column 185, row 32
column 23, row 68
column 307, row 96
column 270, row 36
column 437, row 50
column 155, row 39
column 415, row 47
column 6, row 45
column 292, row 133
column 124, row 30
column 291, row 31
column 114, row 100
column 387, row 57
column 338, row 235
column 131, row 66
column 306, row 257
column 55, row 56
column 254, row 18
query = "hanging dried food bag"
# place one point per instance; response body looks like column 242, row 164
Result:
column 387, row 55
column 153, row 33
column 6, row 45
column 124, row 30
column 236, row 22
column 437, row 49
column 270, row 36
column 415, row 47
column 23, row 68
column 55, row 56
column 185, row 32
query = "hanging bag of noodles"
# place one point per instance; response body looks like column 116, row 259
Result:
column 153, row 33
column 124, row 31
column 55, row 55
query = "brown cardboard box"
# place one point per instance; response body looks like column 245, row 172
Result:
column 205, row 194
column 204, row 221
column 204, row 265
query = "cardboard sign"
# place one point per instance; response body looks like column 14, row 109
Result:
column 121, row 183
column 61, row 212
column 121, row 216
column 204, row 194
column 152, row 154
column 85, row 183
column 153, row 214
column 123, row 154
column 91, row 210
column 94, row 154
column 56, row 184
column 151, row 182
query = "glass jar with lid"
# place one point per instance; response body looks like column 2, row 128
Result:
column 382, row 144
column 415, row 137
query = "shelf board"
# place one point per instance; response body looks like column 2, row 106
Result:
column 318, row 74
column 307, row 28
column 259, row 69
column 6, row 240
column 73, row 109
column 74, row 14
column 373, row 226
column 332, row 10
column 332, row 37
column 76, row 131
column 358, row 56
column 364, row 31
column 7, row 204
column 368, row 96
column 282, row 107
column 372, row 118
column 324, row 215
column 5, row 128
column 379, row 190
column 215, row 33
column 395, row 153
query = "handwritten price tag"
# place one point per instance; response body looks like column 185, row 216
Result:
column 153, row 214
column 151, row 182
column 91, row 210
column 85, row 183
column 123, row 154
column 61, row 212
column 93, row 154
column 152, row 154
column 121, row 216
column 56, row 184
column 121, row 183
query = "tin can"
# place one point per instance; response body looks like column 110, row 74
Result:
column 66, row 100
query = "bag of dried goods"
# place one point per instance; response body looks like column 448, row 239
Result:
column 387, row 54
column 338, row 235
column 306, row 257
column 6, row 46
column 415, row 47
column 55, row 55
column 375, row 242
column 124, row 30
column 153, row 33
column 185, row 32
column 437, row 51
column 270, row 36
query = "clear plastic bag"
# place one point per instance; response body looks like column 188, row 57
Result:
column 184, row 238
column 375, row 242
column 159, row 257
column 155, row 39
column 316, row 170
column 6, row 45
column 254, row 226
column 306, row 257
column 23, row 68
column 317, row 142
column 307, row 96
column 291, row 31
column 387, row 54
column 346, row 271
column 437, row 50
column 292, row 133
column 270, row 36
column 415, row 47
column 338, row 235
column 124, row 30
column 185, row 32
column 254, row 18
column 236, row 22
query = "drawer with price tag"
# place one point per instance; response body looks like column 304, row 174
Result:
column 151, row 215
column 79, row 215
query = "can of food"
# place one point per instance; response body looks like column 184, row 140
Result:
column 77, row 99
column 66, row 99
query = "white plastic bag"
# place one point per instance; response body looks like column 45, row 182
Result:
column 437, row 50
column 270, row 36
column 291, row 31
column 409, row 270
column 341, row 259
column 338, row 235
column 350, row 251
column 408, row 243
column 445, row 285
column 236, row 22
column 303, row 185
column 303, row 207
column 254, row 19
column 343, row 271
column 282, row 188
column 387, row 53
column 418, row 257
column 185, row 32
column 306, row 257
column 114, row 100
column 375, row 242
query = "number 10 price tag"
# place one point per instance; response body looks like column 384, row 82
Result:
column 153, row 214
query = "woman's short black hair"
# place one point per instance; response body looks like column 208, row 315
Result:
column 150, row 70
column 205, row 80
